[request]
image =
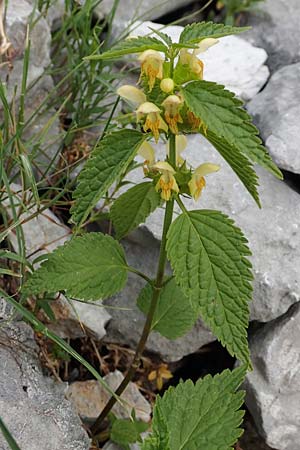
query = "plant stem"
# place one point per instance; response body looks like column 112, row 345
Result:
column 96, row 427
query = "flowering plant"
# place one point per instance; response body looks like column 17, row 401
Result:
column 207, row 252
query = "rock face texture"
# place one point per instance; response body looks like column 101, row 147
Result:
column 33, row 406
column 276, row 29
column 233, row 62
column 129, row 11
column 19, row 15
column 276, row 110
column 89, row 398
column 273, row 231
column 273, row 388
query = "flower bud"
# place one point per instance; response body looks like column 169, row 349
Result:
column 167, row 85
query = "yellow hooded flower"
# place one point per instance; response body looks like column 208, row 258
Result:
column 172, row 105
column 152, row 66
column 181, row 143
column 132, row 94
column 197, row 182
column 154, row 121
column 190, row 59
column 147, row 152
column 166, row 183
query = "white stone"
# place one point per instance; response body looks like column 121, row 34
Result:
column 273, row 387
column 276, row 111
column 232, row 62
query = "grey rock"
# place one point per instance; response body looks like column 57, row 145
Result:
column 276, row 110
column 127, row 320
column 89, row 398
column 273, row 231
column 6, row 310
column 19, row 15
column 76, row 319
column 245, row 70
column 273, row 387
column 31, row 405
column 276, row 28
column 43, row 234
column 129, row 11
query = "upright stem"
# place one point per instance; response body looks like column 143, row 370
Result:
column 96, row 427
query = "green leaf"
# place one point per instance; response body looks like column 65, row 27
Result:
column 238, row 162
column 201, row 416
column 133, row 45
column 106, row 163
column 208, row 255
column 196, row 32
column 133, row 207
column 222, row 114
column 89, row 267
column 174, row 315
column 124, row 431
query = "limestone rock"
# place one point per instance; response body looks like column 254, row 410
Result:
column 273, row 231
column 127, row 320
column 6, row 310
column 129, row 11
column 233, row 62
column 273, row 388
column 19, row 15
column 89, row 398
column 275, row 27
column 31, row 405
column 276, row 110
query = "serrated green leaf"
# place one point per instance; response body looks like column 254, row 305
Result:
column 89, row 267
column 238, row 162
column 222, row 114
column 208, row 256
column 174, row 315
column 196, row 32
column 133, row 45
column 106, row 163
column 133, row 207
column 201, row 416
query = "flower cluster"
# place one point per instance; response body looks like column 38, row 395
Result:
column 160, row 110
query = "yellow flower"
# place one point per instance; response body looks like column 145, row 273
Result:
column 132, row 94
column 147, row 152
column 154, row 121
column 151, row 66
column 197, row 182
column 196, row 66
column 172, row 105
column 166, row 183
column 181, row 143
column 190, row 59
column 161, row 373
column 194, row 121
